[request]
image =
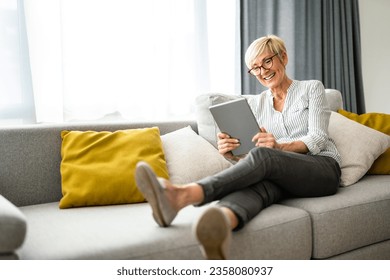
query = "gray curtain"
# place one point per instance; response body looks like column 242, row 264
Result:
column 322, row 39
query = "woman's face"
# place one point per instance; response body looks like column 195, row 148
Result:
column 273, row 77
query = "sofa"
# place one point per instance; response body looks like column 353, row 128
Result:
column 352, row 224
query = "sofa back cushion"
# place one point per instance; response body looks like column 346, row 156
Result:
column 31, row 157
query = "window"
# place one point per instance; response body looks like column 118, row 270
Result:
column 126, row 59
column 16, row 99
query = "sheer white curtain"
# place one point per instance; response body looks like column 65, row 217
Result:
column 16, row 98
column 144, row 59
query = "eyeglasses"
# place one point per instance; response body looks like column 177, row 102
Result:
column 267, row 64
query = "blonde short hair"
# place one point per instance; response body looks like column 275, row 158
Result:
column 271, row 43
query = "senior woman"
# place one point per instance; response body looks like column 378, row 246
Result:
column 294, row 156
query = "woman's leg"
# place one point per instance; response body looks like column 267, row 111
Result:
column 245, row 204
column 213, row 229
column 298, row 174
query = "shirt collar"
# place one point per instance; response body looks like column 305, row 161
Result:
column 291, row 87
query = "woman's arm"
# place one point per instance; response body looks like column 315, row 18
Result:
column 318, row 120
column 265, row 139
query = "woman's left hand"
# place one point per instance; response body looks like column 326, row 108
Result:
column 265, row 139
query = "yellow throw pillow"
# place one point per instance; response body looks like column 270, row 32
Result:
column 380, row 122
column 97, row 168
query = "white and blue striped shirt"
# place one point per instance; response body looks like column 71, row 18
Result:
column 305, row 117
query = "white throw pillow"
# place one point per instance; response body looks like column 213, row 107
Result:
column 190, row 157
column 358, row 145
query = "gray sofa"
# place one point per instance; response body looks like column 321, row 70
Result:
column 353, row 224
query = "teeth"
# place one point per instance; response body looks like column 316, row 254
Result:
column 269, row 77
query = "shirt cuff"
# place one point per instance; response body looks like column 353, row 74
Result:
column 311, row 145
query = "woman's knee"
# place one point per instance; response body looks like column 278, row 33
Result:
column 261, row 153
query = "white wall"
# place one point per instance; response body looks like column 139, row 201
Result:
column 375, row 36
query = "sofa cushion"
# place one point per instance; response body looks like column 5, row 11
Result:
column 33, row 167
column 334, row 99
column 97, row 168
column 351, row 219
column 190, row 157
column 380, row 122
column 112, row 232
column 12, row 227
column 277, row 232
column 376, row 251
column 358, row 145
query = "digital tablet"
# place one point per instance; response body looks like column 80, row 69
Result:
column 236, row 119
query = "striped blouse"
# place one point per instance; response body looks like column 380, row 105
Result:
column 305, row 117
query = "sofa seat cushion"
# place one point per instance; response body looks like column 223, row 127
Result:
column 129, row 232
column 377, row 251
column 276, row 233
column 355, row 217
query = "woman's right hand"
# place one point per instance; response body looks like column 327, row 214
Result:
column 226, row 145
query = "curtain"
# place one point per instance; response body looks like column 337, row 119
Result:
column 16, row 96
column 128, row 59
column 322, row 39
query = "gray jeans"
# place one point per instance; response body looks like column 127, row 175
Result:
column 266, row 175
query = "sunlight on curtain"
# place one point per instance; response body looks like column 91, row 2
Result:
column 9, row 86
column 16, row 102
column 149, row 59
column 43, row 22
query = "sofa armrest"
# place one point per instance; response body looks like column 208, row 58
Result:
column 13, row 226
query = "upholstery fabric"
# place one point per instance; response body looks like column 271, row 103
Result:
column 358, row 145
column 190, row 157
column 93, row 233
column 13, row 226
column 338, row 218
column 380, row 122
column 37, row 177
column 377, row 251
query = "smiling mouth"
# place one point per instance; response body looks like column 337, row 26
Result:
column 269, row 77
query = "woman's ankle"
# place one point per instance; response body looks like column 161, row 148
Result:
column 183, row 195
column 195, row 194
column 231, row 217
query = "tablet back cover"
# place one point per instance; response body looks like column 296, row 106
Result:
column 236, row 119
